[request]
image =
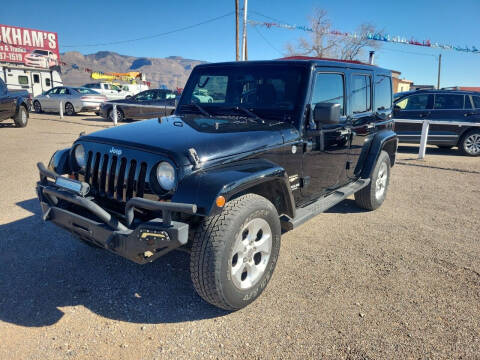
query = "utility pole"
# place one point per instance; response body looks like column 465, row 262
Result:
column 439, row 69
column 237, row 49
column 244, row 37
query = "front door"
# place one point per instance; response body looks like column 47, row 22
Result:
column 326, row 152
column 413, row 107
column 36, row 83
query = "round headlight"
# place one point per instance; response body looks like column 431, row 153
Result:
column 79, row 154
column 166, row 176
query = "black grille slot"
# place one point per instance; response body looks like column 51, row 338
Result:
column 141, row 180
column 121, row 178
column 95, row 171
column 111, row 177
column 131, row 180
column 88, row 170
column 103, row 173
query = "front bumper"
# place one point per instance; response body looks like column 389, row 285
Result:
column 143, row 242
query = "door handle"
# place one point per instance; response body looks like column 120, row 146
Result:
column 469, row 114
column 424, row 115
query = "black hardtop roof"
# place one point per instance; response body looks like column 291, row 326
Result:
column 307, row 62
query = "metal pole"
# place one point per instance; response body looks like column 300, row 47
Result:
column 439, row 68
column 237, row 49
column 61, row 109
column 244, row 37
column 423, row 139
column 115, row 118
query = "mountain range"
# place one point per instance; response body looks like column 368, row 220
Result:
column 172, row 71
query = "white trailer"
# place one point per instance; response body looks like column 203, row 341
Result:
column 34, row 80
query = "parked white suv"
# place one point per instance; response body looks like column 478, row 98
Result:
column 111, row 91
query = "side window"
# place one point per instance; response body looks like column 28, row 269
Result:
column 36, row 78
column 448, row 101
column 105, row 86
column 468, row 103
column 52, row 91
column 145, row 96
column 62, row 91
column 414, row 102
column 329, row 88
column 160, row 95
column 476, row 101
column 23, row 80
column 361, row 90
column 48, row 82
column 383, row 93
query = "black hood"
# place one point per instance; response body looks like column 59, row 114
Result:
column 211, row 138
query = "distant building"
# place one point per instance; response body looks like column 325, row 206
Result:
column 464, row 88
column 400, row 85
column 422, row 87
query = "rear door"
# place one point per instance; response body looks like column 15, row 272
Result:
column 325, row 158
column 413, row 107
column 145, row 98
column 475, row 113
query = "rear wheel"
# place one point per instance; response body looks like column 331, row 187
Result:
column 37, row 106
column 69, row 109
column 234, row 253
column 470, row 143
column 119, row 115
column 372, row 196
column 21, row 118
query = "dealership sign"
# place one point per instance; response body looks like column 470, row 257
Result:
column 29, row 47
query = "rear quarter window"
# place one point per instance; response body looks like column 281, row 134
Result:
column 383, row 92
column 476, row 101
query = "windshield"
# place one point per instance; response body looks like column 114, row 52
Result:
column 273, row 92
column 83, row 90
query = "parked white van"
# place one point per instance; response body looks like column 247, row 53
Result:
column 34, row 80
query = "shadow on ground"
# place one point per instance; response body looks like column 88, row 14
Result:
column 346, row 206
column 43, row 268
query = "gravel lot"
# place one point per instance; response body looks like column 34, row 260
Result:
column 402, row 282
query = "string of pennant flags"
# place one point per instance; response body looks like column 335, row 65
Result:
column 372, row 36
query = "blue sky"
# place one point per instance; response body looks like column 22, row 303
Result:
column 86, row 22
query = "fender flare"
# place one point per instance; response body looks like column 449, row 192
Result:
column 383, row 140
column 60, row 161
column 231, row 180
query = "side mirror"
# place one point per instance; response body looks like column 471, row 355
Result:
column 326, row 113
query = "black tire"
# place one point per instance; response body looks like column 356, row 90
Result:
column 21, row 117
column 446, row 147
column 370, row 197
column 69, row 109
column 213, row 258
column 37, row 106
column 469, row 144
column 120, row 116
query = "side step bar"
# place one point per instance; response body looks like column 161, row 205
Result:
column 321, row 205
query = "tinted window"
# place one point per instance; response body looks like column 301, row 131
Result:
column 468, row 103
column 145, row 96
column 47, row 82
column 83, row 90
column 448, row 101
column 36, row 78
column 414, row 102
column 476, row 101
column 52, row 91
column 329, row 88
column 23, row 80
column 361, row 93
column 383, row 92
column 63, row 91
column 105, row 86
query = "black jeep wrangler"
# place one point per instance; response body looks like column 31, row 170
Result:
column 254, row 149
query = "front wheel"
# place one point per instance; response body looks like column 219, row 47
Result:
column 470, row 143
column 69, row 109
column 373, row 195
column 234, row 253
column 21, row 118
column 119, row 115
column 37, row 106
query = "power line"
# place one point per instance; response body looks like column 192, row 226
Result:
column 268, row 42
column 405, row 52
column 156, row 35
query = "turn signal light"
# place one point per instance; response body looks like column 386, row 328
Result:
column 220, row 201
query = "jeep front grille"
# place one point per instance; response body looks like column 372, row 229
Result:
column 115, row 177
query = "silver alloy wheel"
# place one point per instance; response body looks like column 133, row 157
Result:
column 381, row 182
column 251, row 253
column 69, row 109
column 24, row 116
column 472, row 144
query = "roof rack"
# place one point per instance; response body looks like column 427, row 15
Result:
column 301, row 57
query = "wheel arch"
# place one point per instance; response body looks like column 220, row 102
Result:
column 258, row 176
column 386, row 140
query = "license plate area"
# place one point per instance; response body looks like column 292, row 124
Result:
column 69, row 184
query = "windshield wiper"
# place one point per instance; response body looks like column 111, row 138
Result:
column 250, row 114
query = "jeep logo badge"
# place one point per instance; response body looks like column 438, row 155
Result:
column 117, row 152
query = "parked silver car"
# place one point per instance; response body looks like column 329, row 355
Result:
column 74, row 99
